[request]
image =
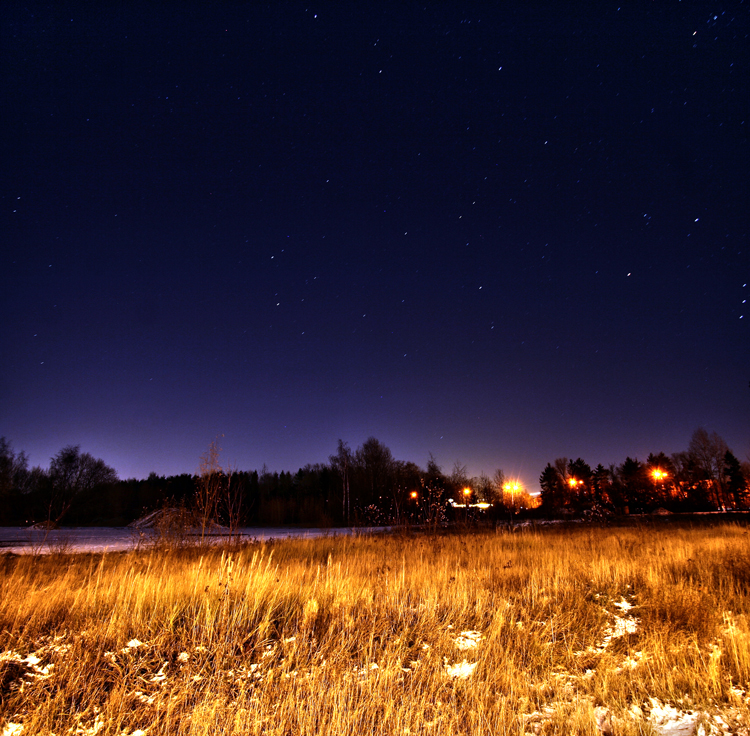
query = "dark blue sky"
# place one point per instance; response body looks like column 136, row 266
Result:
column 501, row 235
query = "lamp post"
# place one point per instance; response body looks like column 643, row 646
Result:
column 659, row 477
column 575, row 484
column 467, row 496
column 512, row 487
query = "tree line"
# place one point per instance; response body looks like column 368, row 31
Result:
column 705, row 477
column 365, row 486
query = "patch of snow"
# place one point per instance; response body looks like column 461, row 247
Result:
column 468, row 640
column 625, row 626
column 31, row 662
column 624, row 605
column 160, row 676
column 723, row 725
column 668, row 721
column 630, row 663
column 143, row 698
column 461, row 671
column 622, row 627
column 93, row 730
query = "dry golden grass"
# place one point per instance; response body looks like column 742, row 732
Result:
column 582, row 630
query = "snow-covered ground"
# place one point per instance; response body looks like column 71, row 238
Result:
column 113, row 539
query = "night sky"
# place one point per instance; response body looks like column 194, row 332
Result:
column 497, row 232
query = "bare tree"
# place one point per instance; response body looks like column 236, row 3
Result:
column 232, row 499
column 707, row 452
column 13, row 468
column 430, row 502
column 208, row 487
column 375, row 465
column 342, row 462
column 561, row 465
column 498, row 485
column 683, row 475
column 459, row 477
column 219, row 492
column 71, row 473
column 483, row 486
column 15, row 478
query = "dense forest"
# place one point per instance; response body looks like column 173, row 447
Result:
column 368, row 486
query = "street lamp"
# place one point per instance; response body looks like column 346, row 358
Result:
column 511, row 488
column 467, row 494
column 660, row 477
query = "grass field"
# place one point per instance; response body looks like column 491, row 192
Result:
column 631, row 630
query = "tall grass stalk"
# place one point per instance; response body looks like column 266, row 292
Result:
column 576, row 630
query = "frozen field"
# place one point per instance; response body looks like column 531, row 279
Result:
column 20, row 540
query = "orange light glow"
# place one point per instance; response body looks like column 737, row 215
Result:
column 467, row 491
column 413, row 494
column 658, row 474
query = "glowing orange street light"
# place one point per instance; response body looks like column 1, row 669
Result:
column 467, row 493
column 511, row 488
column 658, row 474
column 572, row 482
column 413, row 494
